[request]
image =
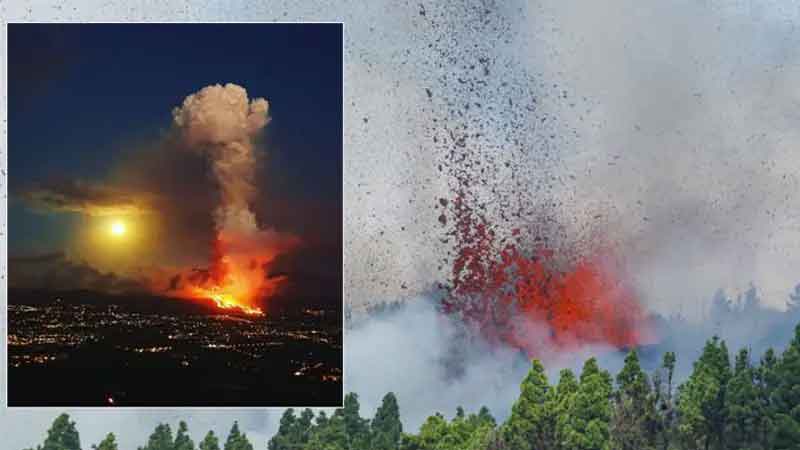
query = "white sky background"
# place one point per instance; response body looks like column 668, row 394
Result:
column 686, row 136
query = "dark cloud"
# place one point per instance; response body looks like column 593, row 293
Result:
column 311, row 275
column 36, row 259
column 78, row 196
column 55, row 271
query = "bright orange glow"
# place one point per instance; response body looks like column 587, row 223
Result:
column 528, row 301
column 225, row 300
column 238, row 278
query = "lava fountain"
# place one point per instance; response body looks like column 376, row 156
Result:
column 525, row 300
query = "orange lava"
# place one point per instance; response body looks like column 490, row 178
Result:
column 237, row 279
column 524, row 301
column 225, row 300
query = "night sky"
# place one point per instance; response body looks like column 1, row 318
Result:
column 83, row 96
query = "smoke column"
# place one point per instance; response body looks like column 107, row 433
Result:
column 222, row 123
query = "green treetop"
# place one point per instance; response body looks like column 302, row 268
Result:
column 182, row 439
column 634, row 415
column 210, row 442
column 237, row 440
column 62, row 435
column 786, row 398
column 586, row 425
column 386, row 426
column 745, row 411
column 108, row 443
column 161, row 439
column 701, row 403
column 530, row 425
column 356, row 428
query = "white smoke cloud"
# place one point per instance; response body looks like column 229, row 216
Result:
column 440, row 365
column 685, row 121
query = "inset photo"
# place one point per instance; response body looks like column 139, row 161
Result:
column 175, row 215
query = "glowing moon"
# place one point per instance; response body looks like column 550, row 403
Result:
column 117, row 228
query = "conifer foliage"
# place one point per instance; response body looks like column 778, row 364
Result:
column 739, row 403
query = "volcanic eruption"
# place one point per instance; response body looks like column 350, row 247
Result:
column 526, row 298
column 222, row 123
column 524, row 282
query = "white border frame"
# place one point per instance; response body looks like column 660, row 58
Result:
column 4, row 401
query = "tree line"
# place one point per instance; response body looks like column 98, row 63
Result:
column 726, row 403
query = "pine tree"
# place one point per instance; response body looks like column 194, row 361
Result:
column 321, row 420
column 356, row 428
column 634, row 411
column 300, row 430
column 237, row 440
column 747, row 407
column 701, row 402
column 484, row 432
column 484, row 416
column 786, row 398
column 182, row 439
column 464, row 432
column 293, row 432
column 108, row 443
column 766, row 381
column 62, row 435
column 469, row 432
column 161, row 439
column 432, row 434
column 283, row 438
column 559, row 404
column 386, row 426
column 328, row 434
column 744, row 410
column 459, row 431
column 529, row 426
column 210, row 442
column 587, row 424
column 663, row 388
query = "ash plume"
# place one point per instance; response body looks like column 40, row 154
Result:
column 223, row 124
column 683, row 149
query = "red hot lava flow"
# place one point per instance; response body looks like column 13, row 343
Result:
column 524, row 301
column 237, row 280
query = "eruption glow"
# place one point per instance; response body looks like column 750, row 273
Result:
column 225, row 300
column 222, row 123
column 526, row 302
